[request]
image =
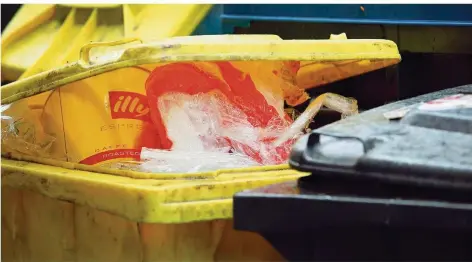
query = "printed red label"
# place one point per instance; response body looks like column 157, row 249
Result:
column 112, row 154
column 128, row 105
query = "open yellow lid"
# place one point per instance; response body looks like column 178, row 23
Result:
column 316, row 73
column 322, row 61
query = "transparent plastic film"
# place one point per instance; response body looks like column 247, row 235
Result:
column 210, row 123
column 346, row 106
column 22, row 133
column 111, row 116
column 188, row 161
column 205, row 116
column 230, row 107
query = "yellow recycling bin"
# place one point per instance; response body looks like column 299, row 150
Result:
column 65, row 204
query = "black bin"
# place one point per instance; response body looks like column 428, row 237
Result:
column 377, row 190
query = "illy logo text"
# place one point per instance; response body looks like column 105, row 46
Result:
column 128, row 105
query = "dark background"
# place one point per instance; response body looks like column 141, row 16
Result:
column 8, row 11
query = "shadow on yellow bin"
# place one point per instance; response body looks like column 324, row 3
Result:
column 54, row 210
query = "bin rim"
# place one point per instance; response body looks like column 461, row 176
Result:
column 141, row 199
column 139, row 174
column 200, row 48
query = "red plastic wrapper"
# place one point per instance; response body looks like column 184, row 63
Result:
column 218, row 106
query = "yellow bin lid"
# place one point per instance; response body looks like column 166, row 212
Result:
column 322, row 61
column 177, row 198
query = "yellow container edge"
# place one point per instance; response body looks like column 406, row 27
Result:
column 201, row 50
column 142, row 200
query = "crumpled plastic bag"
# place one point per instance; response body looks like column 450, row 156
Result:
column 244, row 112
column 209, row 133
column 22, row 133
column 229, row 107
column 209, row 123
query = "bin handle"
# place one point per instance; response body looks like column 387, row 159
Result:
column 85, row 50
column 317, row 159
column 315, row 136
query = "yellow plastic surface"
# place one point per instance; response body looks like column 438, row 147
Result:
column 88, row 216
column 59, row 211
column 38, row 228
column 26, row 16
column 41, row 37
column 143, row 197
column 170, row 20
column 37, row 24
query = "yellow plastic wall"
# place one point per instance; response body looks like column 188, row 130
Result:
column 38, row 228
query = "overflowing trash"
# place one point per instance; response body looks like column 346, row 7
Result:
column 220, row 115
column 193, row 117
column 223, row 110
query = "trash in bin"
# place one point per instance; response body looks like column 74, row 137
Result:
column 220, row 135
column 97, row 112
column 234, row 107
column 237, row 106
column 224, row 108
column 23, row 134
column 346, row 106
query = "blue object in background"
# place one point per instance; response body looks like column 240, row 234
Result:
column 223, row 18
column 434, row 40
column 215, row 23
column 414, row 14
